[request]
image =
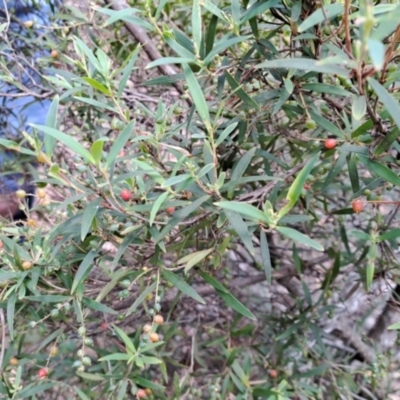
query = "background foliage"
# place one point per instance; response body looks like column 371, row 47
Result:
column 160, row 175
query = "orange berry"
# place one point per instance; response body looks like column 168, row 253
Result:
column 31, row 223
column 141, row 394
column 125, row 194
column 54, row 53
column 13, row 361
column 158, row 319
column 357, row 205
column 330, row 143
column 170, row 210
column 273, row 373
column 154, row 337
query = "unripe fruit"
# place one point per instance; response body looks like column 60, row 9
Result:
column 54, row 351
column 21, row 194
column 28, row 24
column 82, row 331
column 310, row 124
column 154, row 337
column 357, row 205
column 141, row 394
column 158, row 319
column 146, row 328
column 42, row 373
column 31, row 223
column 42, row 158
column 41, row 193
column 26, row 265
column 125, row 194
column 13, row 361
column 330, row 143
column 148, row 391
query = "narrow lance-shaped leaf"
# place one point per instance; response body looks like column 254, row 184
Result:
column 297, row 185
column 197, row 96
column 241, row 229
column 381, row 170
column 243, row 208
column 391, row 104
column 265, row 256
column 299, row 237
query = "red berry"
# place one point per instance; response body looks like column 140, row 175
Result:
column 126, row 194
column 330, row 143
column 141, row 394
column 42, row 373
column 170, row 210
column 357, row 205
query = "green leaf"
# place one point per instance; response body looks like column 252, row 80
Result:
column 370, row 268
column 120, row 143
column 241, row 229
column 174, row 180
column 88, row 216
column 243, row 208
column 240, row 92
column 226, row 132
column 125, row 338
column 230, row 300
column 68, row 140
column 98, row 306
column 97, row 151
column 388, row 100
column 11, row 301
column 194, row 258
column 353, row 173
column 51, row 122
column 265, row 256
column 84, row 269
column 335, row 170
column 257, row 9
column 359, row 107
column 97, row 85
column 297, row 186
column 116, row 357
column 140, row 299
column 222, row 45
column 388, row 235
column 169, row 60
column 196, row 26
column 181, row 285
column 299, row 237
column 156, row 206
column 395, row 326
column 240, row 168
column 197, row 96
column 127, row 71
column 304, row 64
column 376, row 51
column 330, row 11
column 387, row 141
column 381, row 170
column 96, row 103
column 34, row 388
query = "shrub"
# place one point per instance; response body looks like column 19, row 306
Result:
column 286, row 117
